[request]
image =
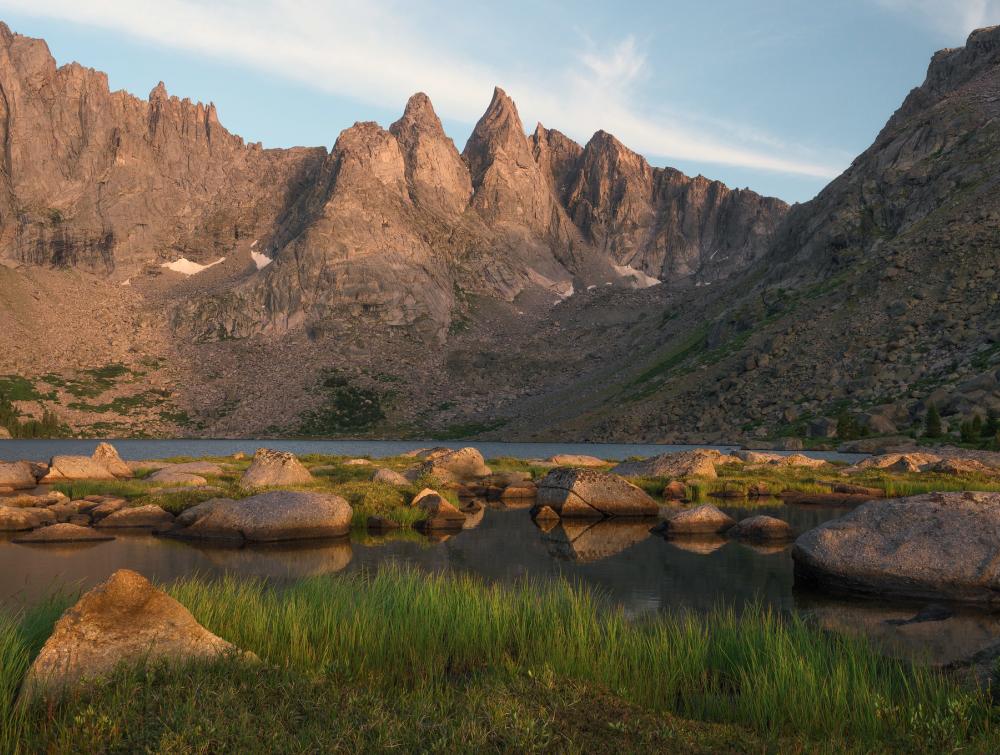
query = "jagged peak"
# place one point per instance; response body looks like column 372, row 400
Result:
column 159, row 92
column 419, row 115
column 501, row 113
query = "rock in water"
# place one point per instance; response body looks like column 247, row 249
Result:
column 441, row 514
column 127, row 620
column 762, row 529
column 63, row 533
column 585, row 493
column 267, row 517
column 928, row 547
column 271, row 468
column 16, row 475
column 701, row 520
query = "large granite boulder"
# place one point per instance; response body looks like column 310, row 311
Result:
column 589, row 494
column 17, row 475
column 439, row 513
column 171, row 476
column 270, row 468
column 701, row 520
column 127, row 620
column 934, row 546
column 463, row 465
column 762, row 529
column 20, row 519
column 103, row 464
column 268, row 517
column 698, row 463
column 390, row 477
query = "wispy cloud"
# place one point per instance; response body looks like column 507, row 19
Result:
column 376, row 52
column 956, row 18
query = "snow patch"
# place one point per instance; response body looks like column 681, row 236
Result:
column 184, row 266
column 260, row 259
column 639, row 279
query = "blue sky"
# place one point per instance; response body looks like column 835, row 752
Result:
column 772, row 94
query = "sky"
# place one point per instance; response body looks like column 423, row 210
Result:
column 776, row 95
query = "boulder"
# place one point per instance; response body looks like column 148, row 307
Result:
column 270, row 468
column 783, row 460
column 267, row 517
column 103, row 508
column 21, row 519
column 701, row 520
column 675, row 490
column 200, row 468
column 587, row 493
column 519, row 491
column 960, row 466
column 390, row 477
column 63, row 511
column 428, row 453
column 896, row 462
column 106, row 455
column 762, row 528
column 463, row 465
column 63, row 533
column 171, row 476
column 125, row 619
column 575, row 460
column 439, row 513
column 938, row 546
column 698, row 463
column 17, row 475
column 150, row 515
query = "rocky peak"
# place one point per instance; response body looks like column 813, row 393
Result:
column 556, row 155
column 436, row 176
column 498, row 134
column 158, row 93
column 365, row 156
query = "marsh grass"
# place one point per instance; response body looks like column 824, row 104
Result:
column 398, row 637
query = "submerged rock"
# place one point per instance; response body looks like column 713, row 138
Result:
column 125, row 619
column 934, row 546
column 586, row 493
column 270, row 468
column 63, row 533
column 266, row 517
column 150, row 515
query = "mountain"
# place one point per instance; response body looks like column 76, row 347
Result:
column 526, row 287
column 878, row 297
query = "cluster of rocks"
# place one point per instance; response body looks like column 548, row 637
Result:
column 707, row 520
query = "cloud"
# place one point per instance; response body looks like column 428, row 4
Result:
column 956, row 18
column 381, row 51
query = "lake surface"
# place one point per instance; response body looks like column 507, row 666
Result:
column 625, row 564
column 41, row 450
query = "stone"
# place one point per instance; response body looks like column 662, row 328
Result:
column 896, row 462
column 63, row 533
column 390, row 477
column 701, row 520
column 523, row 490
column 150, row 515
column 545, row 513
column 575, row 460
column 960, row 466
column 357, row 463
column 124, row 620
column 104, row 508
column 439, row 513
column 20, row 519
column 938, row 546
column 271, row 468
column 675, row 490
column 201, row 468
column 17, row 475
column 171, row 476
column 587, row 493
column 106, row 455
column 66, row 468
column 266, row 517
column 698, row 463
column 762, row 528
column 463, row 465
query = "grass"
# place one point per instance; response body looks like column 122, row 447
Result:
column 416, row 661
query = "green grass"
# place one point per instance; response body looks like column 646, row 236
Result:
column 400, row 652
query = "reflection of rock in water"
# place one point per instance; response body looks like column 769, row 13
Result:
column 64, row 549
column 473, row 516
column 578, row 540
column 703, row 545
column 766, row 549
column 280, row 561
column 940, row 642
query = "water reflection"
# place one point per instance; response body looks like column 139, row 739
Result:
column 592, row 541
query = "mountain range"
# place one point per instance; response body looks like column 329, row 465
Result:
column 162, row 276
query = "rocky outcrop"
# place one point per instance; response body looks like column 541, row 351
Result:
column 463, row 465
column 439, row 514
column 124, row 620
column 935, row 546
column 271, row 468
column 16, row 475
column 588, row 494
column 698, row 463
column 268, row 517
